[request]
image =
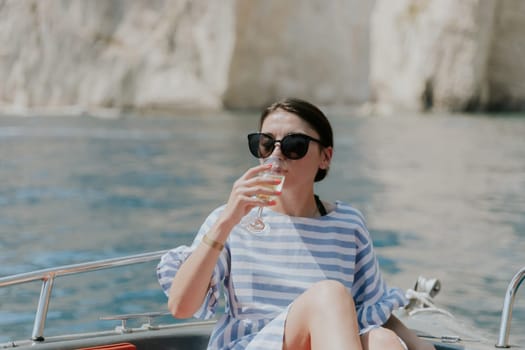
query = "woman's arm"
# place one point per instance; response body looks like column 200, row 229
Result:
column 192, row 281
column 409, row 337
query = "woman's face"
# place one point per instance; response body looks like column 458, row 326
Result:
column 298, row 172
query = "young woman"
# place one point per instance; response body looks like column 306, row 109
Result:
column 312, row 281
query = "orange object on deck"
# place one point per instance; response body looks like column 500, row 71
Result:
column 119, row 346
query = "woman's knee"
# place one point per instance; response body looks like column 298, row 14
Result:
column 326, row 306
column 330, row 290
column 323, row 299
column 381, row 338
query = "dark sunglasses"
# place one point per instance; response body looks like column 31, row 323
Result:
column 293, row 146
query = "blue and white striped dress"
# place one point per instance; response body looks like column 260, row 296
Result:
column 263, row 274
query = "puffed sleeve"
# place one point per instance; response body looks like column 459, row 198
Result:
column 171, row 261
column 374, row 301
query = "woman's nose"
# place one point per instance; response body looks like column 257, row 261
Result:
column 277, row 151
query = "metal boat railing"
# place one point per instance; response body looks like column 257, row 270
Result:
column 47, row 276
column 506, row 314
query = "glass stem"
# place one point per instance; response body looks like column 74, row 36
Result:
column 259, row 213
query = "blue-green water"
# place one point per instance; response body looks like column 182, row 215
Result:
column 444, row 197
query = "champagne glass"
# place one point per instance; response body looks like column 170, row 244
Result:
column 256, row 224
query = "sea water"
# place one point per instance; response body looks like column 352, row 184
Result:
column 444, row 197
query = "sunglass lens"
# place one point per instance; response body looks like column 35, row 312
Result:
column 261, row 146
column 295, row 146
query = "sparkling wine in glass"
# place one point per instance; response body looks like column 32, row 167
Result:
column 256, row 224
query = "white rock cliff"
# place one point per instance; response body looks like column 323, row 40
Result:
column 181, row 54
column 448, row 55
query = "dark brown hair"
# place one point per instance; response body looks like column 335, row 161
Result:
column 310, row 114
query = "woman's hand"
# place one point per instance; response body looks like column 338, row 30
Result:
column 245, row 194
column 409, row 336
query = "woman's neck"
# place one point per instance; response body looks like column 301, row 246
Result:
column 300, row 203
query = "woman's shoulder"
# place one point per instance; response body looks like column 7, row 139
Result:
column 216, row 212
column 353, row 219
column 346, row 209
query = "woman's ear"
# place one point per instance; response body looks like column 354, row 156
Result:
column 326, row 159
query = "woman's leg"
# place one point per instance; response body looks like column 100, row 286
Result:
column 381, row 338
column 323, row 317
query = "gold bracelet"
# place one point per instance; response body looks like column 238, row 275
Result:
column 212, row 243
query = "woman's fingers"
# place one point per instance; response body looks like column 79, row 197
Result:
column 253, row 172
column 262, row 186
column 251, row 190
